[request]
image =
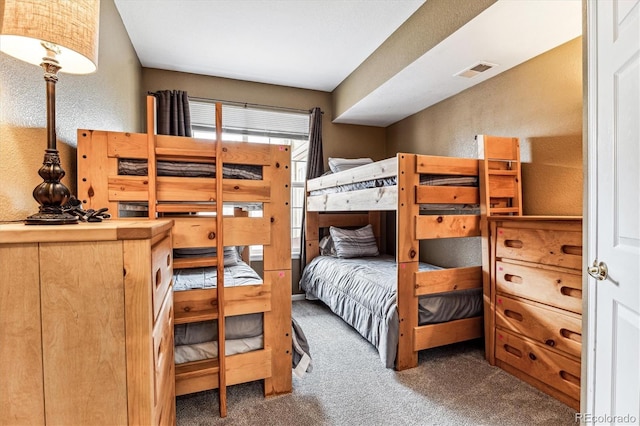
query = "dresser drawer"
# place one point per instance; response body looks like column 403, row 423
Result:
column 562, row 289
column 548, row 326
column 162, row 272
column 165, row 411
column 557, row 371
column 545, row 246
column 163, row 360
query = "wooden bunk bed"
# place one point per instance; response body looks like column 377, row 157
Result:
column 195, row 203
column 410, row 198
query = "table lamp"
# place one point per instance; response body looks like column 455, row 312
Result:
column 58, row 35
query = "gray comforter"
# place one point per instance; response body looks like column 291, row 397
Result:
column 362, row 292
column 234, row 275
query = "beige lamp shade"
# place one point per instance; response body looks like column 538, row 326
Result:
column 71, row 25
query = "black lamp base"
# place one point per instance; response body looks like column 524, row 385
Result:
column 51, row 194
column 51, row 218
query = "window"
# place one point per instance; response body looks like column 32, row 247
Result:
column 262, row 125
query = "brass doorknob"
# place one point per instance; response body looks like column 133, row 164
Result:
column 598, row 271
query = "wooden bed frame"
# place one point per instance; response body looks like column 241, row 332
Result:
column 183, row 199
column 405, row 199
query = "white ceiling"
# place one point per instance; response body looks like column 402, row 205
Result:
column 316, row 44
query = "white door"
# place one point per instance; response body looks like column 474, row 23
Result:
column 612, row 368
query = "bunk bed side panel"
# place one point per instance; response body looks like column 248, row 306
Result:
column 277, row 271
column 407, row 258
column 94, row 168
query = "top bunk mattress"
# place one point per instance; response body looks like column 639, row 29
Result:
column 431, row 180
column 136, row 167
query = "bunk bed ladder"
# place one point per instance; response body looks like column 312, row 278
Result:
column 500, row 195
column 155, row 209
column 500, row 176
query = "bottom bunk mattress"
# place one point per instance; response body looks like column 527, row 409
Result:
column 362, row 291
column 243, row 333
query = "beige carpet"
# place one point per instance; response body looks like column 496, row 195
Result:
column 349, row 385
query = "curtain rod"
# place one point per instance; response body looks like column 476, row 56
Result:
column 247, row 104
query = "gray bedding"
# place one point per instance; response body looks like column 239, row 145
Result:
column 431, row 180
column 235, row 275
column 362, row 292
column 243, row 333
column 135, row 167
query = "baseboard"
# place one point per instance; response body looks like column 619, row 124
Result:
column 295, row 297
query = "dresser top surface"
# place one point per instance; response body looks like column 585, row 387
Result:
column 109, row 230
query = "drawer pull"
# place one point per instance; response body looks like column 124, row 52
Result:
column 212, row 235
column 570, row 378
column 574, row 250
column 168, row 260
column 158, row 278
column 513, row 351
column 513, row 315
column 516, row 279
column 532, row 356
column 550, row 342
column 513, row 243
column 571, row 335
column 571, row 292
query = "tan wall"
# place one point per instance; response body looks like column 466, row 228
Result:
column 339, row 140
column 539, row 101
column 107, row 99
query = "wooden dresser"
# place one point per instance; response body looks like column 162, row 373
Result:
column 535, row 302
column 86, row 324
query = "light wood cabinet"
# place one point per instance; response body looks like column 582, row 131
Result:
column 86, row 324
column 535, row 311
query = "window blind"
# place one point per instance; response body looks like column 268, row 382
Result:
column 247, row 120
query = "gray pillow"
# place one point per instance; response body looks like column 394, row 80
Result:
column 341, row 164
column 354, row 243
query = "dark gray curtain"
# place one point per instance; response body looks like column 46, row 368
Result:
column 315, row 168
column 173, row 116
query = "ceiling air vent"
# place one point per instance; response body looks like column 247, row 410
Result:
column 475, row 70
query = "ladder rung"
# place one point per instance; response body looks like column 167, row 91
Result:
column 197, row 368
column 504, row 210
column 185, row 207
column 195, row 262
column 502, row 172
column 195, row 316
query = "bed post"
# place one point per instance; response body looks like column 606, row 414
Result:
column 151, row 157
column 375, row 222
column 407, row 257
column 93, row 164
column 311, row 235
column 277, row 272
